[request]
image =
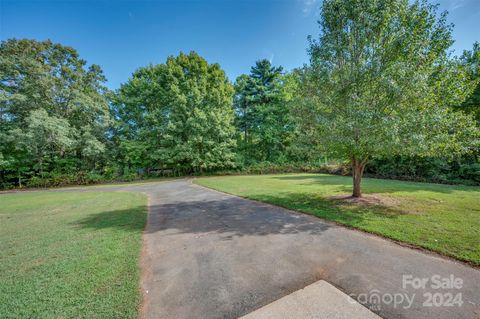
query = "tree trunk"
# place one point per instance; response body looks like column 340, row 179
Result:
column 357, row 172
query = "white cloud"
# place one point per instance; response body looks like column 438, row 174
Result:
column 455, row 4
column 309, row 6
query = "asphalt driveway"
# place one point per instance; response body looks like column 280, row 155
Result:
column 212, row 255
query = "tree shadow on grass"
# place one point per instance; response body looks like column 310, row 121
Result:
column 130, row 220
column 375, row 185
column 333, row 209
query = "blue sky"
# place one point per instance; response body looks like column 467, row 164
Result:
column 121, row 36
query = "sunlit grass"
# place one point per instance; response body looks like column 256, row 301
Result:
column 70, row 255
column 442, row 218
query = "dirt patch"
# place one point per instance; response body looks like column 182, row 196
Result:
column 367, row 200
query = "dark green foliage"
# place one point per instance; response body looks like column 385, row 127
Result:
column 263, row 117
column 56, row 179
column 176, row 116
column 471, row 61
column 294, row 167
column 464, row 170
column 53, row 111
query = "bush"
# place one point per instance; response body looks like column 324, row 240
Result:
column 470, row 171
column 58, row 179
column 275, row 168
column 437, row 170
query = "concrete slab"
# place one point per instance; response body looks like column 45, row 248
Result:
column 319, row 300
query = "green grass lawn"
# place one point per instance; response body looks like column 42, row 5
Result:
column 70, row 254
column 442, row 218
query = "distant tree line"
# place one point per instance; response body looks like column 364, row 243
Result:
column 381, row 95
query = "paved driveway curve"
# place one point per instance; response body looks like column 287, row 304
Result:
column 212, row 255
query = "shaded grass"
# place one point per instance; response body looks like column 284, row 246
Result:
column 441, row 218
column 70, row 255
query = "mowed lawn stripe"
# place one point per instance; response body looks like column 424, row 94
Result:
column 441, row 218
column 70, row 254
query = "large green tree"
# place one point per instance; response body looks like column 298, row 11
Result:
column 262, row 109
column 52, row 108
column 177, row 115
column 380, row 83
column 471, row 61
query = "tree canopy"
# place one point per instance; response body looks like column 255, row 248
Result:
column 53, row 109
column 262, row 109
column 177, row 115
column 470, row 60
column 380, row 82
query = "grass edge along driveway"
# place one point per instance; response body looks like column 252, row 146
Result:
column 71, row 254
column 441, row 218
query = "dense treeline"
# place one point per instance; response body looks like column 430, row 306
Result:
column 54, row 114
column 380, row 95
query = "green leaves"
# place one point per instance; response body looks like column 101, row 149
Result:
column 380, row 82
column 181, row 113
column 470, row 63
column 262, row 109
column 44, row 135
column 52, row 107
